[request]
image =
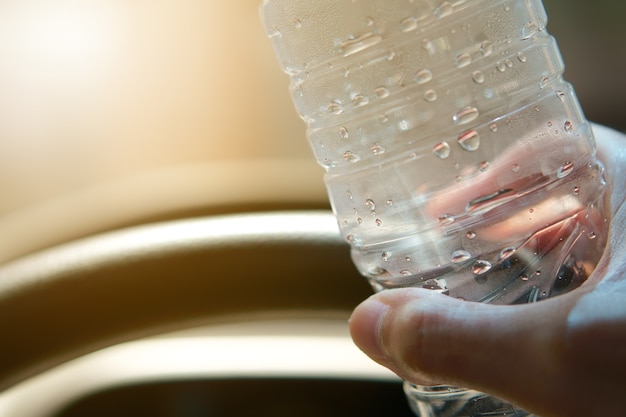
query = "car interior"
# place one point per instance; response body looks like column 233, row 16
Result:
column 166, row 244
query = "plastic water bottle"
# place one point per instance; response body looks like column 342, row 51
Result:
column 456, row 158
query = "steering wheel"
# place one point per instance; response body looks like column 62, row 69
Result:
column 68, row 301
column 73, row 299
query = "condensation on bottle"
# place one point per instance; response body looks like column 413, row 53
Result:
column 456, row 157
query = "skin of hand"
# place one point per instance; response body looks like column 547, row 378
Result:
column 565, row 356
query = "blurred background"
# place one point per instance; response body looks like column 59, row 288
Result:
column 118, row 112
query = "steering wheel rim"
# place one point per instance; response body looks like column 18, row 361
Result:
column 67, row 301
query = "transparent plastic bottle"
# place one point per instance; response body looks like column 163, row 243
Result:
column 456, row 157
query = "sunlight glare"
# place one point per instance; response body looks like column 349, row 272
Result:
column 63, row 36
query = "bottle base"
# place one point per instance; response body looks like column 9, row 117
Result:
column 448, row 401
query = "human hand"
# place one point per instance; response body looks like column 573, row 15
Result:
column 565, row 356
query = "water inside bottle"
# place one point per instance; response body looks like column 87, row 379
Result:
column 505, row 233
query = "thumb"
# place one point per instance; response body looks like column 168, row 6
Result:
column 513, row 352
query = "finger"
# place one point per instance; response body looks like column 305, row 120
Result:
column 514, row 352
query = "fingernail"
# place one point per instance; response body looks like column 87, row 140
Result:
column 365, row 326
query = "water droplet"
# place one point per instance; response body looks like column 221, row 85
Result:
column 385, row 256
column 521, row 57
column 408, row 259
column 568, row 126
column 444, row 10
column 524, row 277
column 390, row 203
column 369, row 21
column 351, row 156
column 500, row 66
column 471, row 235
column 460, row 256
column 544, row 81
column 360, row 100
column 560, row 95
column 516, row 168
column 383, row 118
column 486, row 48
column 423, row 76
column 436, row 284
column 576, row 190
column 406, row 273
column 481, row 267
column 463, row 60
column 565, row 169
column 531, row 211
column 442, row 150
column 349, row 195
column 369, row 203
column 408, row 24
column 275, row 32
column 379, row 222
column 359, row 221
column 446, row 220
column 430, row 96
column 354, row 240
column 377, row 149
column 592, row 235
column 377, row 271
column 508, row 63
column 344, row 133
column 297, row 23
column 478, row 77
column 506, row 253
column 465, row 115
column 335, row 107
column 382, row 92
column 529, row 30
column 493, row 127
column 484, row 166
column 470, row 140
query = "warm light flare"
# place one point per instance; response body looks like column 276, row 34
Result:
column 61, row 35
column 95, row 94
